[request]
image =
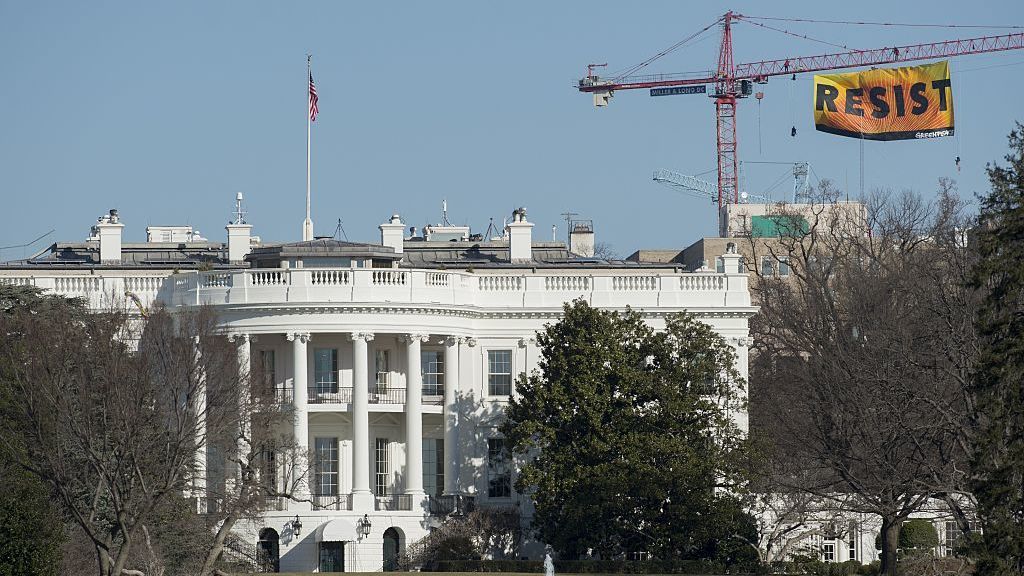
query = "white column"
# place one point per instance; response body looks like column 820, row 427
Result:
column 199, row 481
column 300, row 399
column 244, row 395
column 243, row 441
column 362, row 497
column 414, row 415
column 451, row 415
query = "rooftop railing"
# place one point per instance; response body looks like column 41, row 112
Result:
column 499, row 288
column 662, row 287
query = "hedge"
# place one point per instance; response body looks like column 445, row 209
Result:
column 583, row 566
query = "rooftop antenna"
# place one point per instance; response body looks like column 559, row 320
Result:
column 239, row 213
column 491, row 231
column 568, row 224
column 340, row 229
column 444, row 213
column 554, row 233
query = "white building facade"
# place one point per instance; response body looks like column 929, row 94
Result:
column 397, row 358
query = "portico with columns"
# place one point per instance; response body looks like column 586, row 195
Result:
column 396, row 374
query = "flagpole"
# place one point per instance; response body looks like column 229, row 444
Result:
column 307, row 224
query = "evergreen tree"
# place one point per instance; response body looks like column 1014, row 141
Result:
column 998, row 386
column 629, row 442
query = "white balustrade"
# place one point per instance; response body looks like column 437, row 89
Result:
column 438, row 279
column 701, row 282
column 328, row 277
column 389, row 277
column 567, row 283
column 501, row 283
column 267, row 278
column 485, row 288
column 137, row 284
column 634, row 282
column 214, row 279
column 77, row 284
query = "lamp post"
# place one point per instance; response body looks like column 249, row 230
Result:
column 297, row 525
column 363, row 526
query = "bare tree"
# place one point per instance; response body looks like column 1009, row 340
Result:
column 125, row 417
column 863, row 354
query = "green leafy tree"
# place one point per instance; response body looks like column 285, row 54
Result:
column 998, row 386
column 918, row 536
column 627, row 439
column 32, row 532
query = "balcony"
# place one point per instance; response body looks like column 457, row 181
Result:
column 332, row 501
column 451, row 504
column 395, row 502
column 343, row 395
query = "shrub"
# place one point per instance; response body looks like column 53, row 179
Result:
column 918, row 535
column 583, row 566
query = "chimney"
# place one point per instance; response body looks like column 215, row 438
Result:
column 239, row 234
column 392, row 233
column 239, row 242
column 108, row 229
column 520, row 237
column 581, row 238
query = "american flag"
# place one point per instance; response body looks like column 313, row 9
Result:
column 312, row 99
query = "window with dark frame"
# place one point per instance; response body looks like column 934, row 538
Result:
column 432, row 363
column 268, row 368
column 382, row 467
column 326, row 466
column 499, row 372
column 433, row 466
column 325, row 370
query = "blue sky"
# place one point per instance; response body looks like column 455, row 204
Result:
column 166, row 110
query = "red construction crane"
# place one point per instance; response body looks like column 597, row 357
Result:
column 734, row 81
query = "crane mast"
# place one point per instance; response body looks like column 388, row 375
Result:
column 732, row 82
column 725, row 113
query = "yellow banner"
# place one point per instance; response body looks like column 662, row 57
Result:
column 886, row 104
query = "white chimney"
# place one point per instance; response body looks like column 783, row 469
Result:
column 520, row 237
column 239, row 234
column 108, row 229
column 392, row 233
column 239, row 242
column 581, row 238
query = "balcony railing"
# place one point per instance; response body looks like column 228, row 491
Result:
column 449, row 504
column 332, row 502
column 654, row 286
column 343, row 395
column 283, row 394
column 395, row 502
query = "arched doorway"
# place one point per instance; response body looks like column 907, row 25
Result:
column 268, row 555
column 391, row 544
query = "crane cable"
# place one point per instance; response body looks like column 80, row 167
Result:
column 804, row 36
column 866, row 23
column 666, row 51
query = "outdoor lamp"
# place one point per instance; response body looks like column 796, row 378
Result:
column 297, row 525
column 364, row 526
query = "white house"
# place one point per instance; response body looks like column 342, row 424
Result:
column 398, row 357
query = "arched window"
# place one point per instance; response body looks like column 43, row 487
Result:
column 268, row 555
